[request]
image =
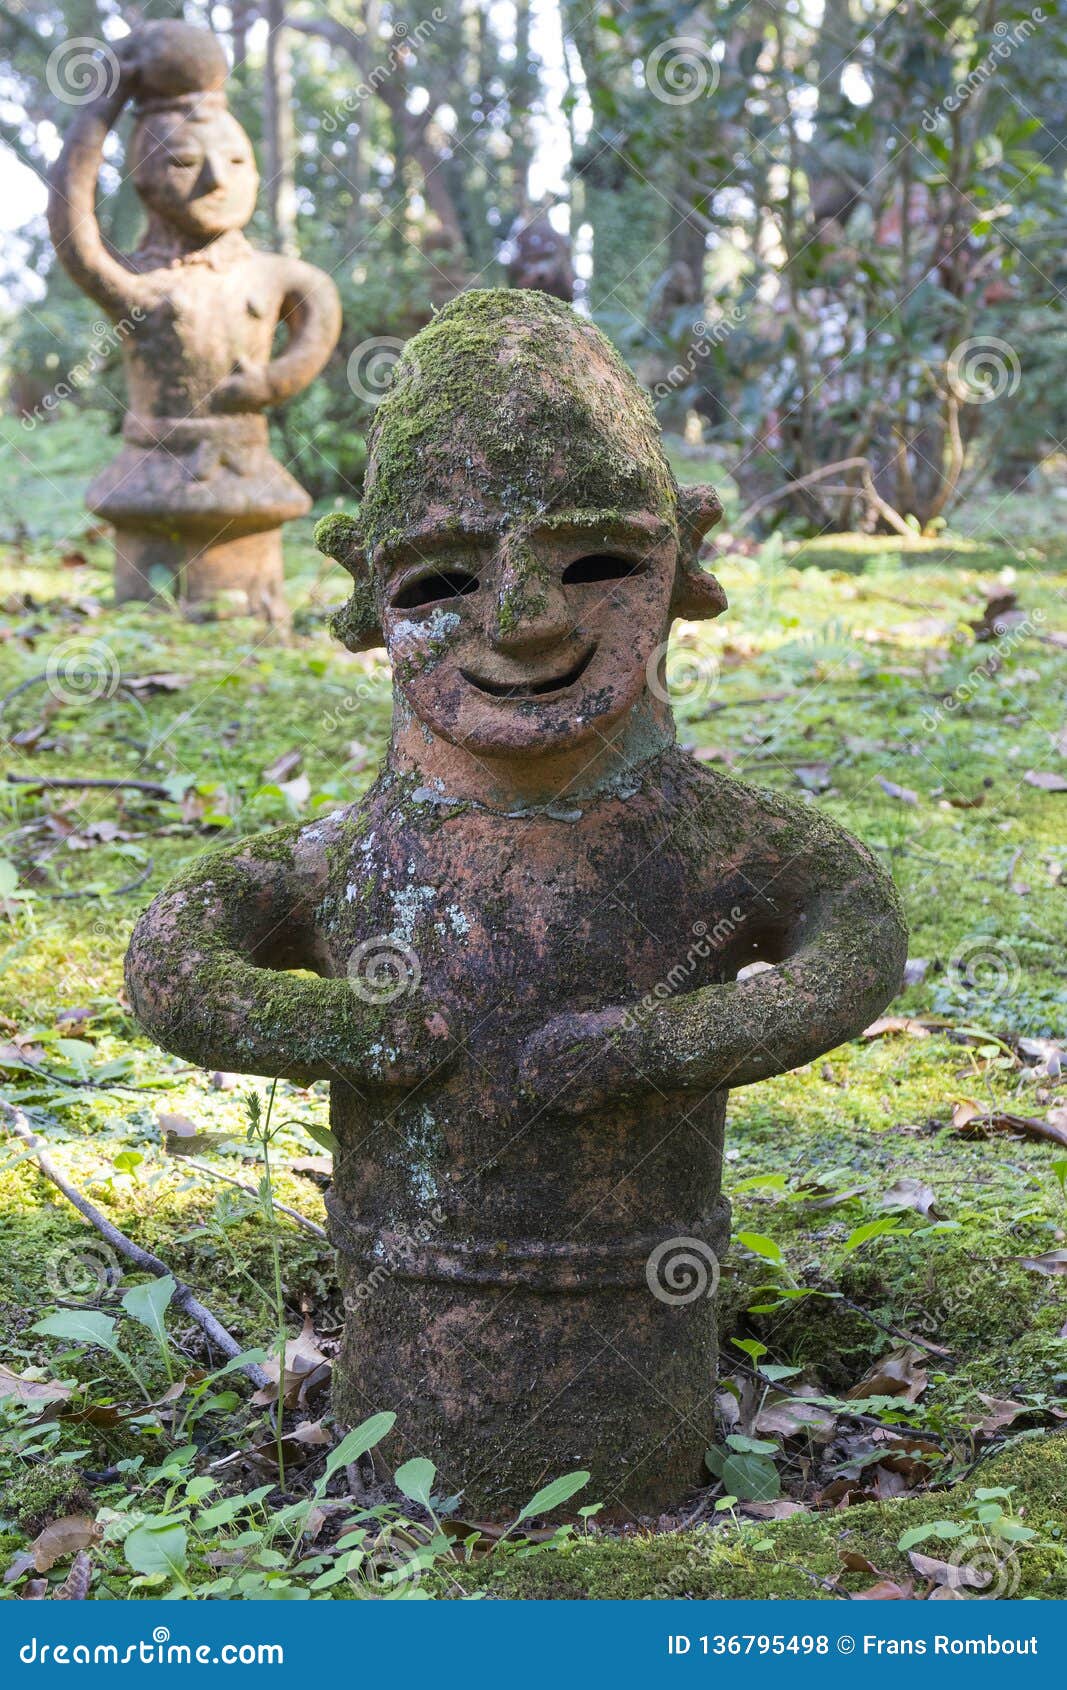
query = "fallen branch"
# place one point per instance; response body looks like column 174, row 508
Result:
column 242, row 1185
column 54, row 783
column 213, row 1329
column 866, row 488
column 114, row 892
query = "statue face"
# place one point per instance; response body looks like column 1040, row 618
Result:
column 196, row 171
column 525, row 638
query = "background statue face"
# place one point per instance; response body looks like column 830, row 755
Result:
column 196, row 171
column 526, row 638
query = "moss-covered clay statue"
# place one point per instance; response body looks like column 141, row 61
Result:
column 195, row 496
column 527, row 935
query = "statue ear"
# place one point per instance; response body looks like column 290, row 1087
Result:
column 698, row 596
column 358, row 623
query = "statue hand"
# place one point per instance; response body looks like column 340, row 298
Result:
column 249, row 388
column 579, row 1063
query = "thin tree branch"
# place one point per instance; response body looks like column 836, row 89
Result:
column 212, row 1328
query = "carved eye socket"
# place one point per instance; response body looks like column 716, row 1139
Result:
column 601, row 566
column 438, row 588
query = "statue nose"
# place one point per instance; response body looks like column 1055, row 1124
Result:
column 212, row 175
column 531, row 608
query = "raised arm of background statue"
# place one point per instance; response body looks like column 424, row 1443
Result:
column 827, row 919
column 204, row 977
column 311, row 313
column 80, row 247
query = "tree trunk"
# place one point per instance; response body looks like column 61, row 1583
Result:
column 278, row 130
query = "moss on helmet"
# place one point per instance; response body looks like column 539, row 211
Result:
column 509, row 397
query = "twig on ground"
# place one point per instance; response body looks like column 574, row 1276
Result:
column 114, row 892
column 212, row 1328
column 54, row 783
column 242, row 1185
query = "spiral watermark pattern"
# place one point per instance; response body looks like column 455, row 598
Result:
column 82, row 69
column 681, row 70
column 984, row 1572
column 982, row 369
column 676, row 675
column 80, row 1270
column 161, row 1634
column 986, row 968
column 371, row 365
column 398, row 1565
column 80, row 671
column 383, row 969
column 681, row 1270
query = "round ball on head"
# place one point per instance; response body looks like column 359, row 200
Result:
column 175, row 58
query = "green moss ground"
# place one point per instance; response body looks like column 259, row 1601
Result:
column 840, row 663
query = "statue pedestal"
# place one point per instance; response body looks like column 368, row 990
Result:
column 223, row 565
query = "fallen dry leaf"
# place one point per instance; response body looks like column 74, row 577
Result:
column 283, row 767
column 969, row 1117
column 1003, row 1411
column 42, row 1391
column 303, row 1359
column 899, row 1374
column 892, row 790
column 897, row 1024
column 910, row 1193
column 75, row 1587
column 297, row 791
column 62, row 1538
column 886, row 1590
column 1052, row 1262
column 145, row 685
column 947, row 1573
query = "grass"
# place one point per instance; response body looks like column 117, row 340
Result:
column 846, row 669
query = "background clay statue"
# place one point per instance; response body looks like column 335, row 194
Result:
column 195, row 496
column 530, row 1052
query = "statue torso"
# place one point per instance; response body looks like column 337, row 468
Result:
column 198, row 319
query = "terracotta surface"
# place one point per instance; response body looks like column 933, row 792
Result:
column 196, row 497
column 527, row 934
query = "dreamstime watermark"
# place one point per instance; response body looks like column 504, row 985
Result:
column 80, row 1270
column 155, row 1651
column 1008, row 37
column 682, row 1270
column 681, row 70
column 404, row 38
column 676, row 675
column 370, row 367
column 982, row 672
column 984, row 968
column 980, row 1570
column 400, row 1248
column 105, row 338
column 81, row 70
column 382, row 969
column 705, row 337
column 79, row 671
column 983, row 369
column 706, row 941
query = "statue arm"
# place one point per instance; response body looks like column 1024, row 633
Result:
column 311, row 312
column 204, row 974
column 826, row 918
column 841, row 962
column 80, row 246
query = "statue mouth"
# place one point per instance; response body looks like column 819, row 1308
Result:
column 531, row 689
